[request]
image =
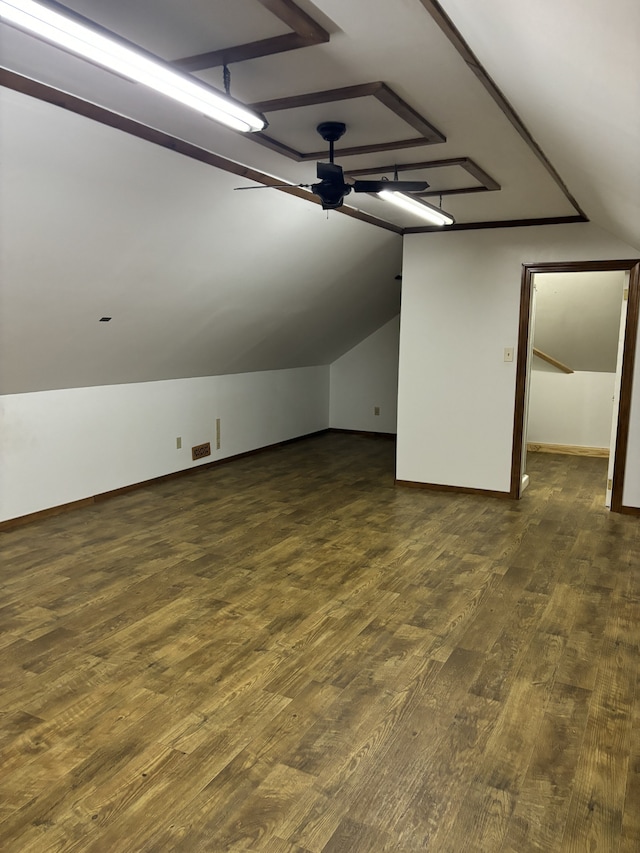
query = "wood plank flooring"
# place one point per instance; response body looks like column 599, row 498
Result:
column 289, row 654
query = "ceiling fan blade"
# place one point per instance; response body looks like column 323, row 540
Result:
column 392, row 186
column 329, row 172
column 275, row 187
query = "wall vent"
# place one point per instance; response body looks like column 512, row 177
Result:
column 201, row 450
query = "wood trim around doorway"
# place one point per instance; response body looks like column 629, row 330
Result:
column 626, row 381
column 628, row 361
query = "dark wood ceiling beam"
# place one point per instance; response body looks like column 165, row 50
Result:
column 274, row 145
column 495, row 223
column 367, row 149
column 447, row 26
column 306, row 33
column 409, row 167
column 395, row 103
column 327, row 96
column 480, row 175
column 456, row 191
column 252, row 50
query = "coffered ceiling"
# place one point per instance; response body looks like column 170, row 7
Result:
column 423, row 88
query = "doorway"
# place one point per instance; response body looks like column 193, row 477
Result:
column 524, row 367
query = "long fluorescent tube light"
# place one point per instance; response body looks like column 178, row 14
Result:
column 84, row 41
column 421, row 208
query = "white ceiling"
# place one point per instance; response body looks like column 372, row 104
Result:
column 202, row 280
column 567, row 70
column 571, row 70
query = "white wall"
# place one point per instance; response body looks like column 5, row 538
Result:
column 61, row 446
column 460, row 307
column 574, row 408
column 366, row 377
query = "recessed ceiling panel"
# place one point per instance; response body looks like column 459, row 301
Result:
column 368, row 123
column 172, row 30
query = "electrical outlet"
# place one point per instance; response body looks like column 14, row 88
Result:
column 376, row 410
column 178, row 443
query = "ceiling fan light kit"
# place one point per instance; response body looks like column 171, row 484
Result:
column 74, row 36
column 427, row 211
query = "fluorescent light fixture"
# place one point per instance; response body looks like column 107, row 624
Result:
column 117, row 56
column 421, row 208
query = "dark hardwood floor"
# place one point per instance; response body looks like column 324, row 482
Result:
column 288, row 653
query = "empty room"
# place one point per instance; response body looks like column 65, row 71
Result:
column 319, row 426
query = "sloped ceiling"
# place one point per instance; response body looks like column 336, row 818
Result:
column 577, row 319
column 512, row 114
column 197, row 281
column 571, row 71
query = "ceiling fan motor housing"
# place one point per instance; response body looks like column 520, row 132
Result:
column 331, row 131
column 331, row 193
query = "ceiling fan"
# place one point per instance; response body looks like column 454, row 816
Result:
column 332, row 188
